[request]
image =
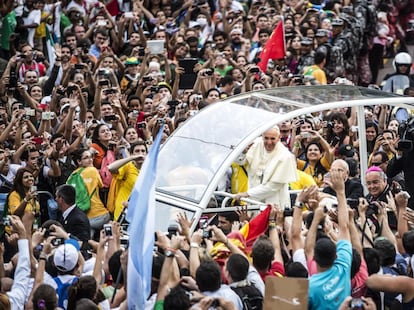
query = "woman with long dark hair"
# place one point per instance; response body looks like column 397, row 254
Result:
column 319, row 158
column 104, row 146
column 22, row 198
column 338, row 130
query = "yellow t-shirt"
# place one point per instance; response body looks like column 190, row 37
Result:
column 239, row 179
column 304, row 181
column 124, row 182
column 93, row 181
column 41, row 29
column 14, row 202
column 303, row 166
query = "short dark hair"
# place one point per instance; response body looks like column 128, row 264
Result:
column 208, row 276
column 238, row 266
column 384, row 156
column 230, row 216
column 177, row 299
column 325, row 252
column 114, row 264
column 296, row 270
column 386, row 250
column 408, row 242
column 135, row 144
column 353, row 166
column 262, row 253
column 227, row 79
column 319, row 57
column 371, row 257
column 356, row 262
column 220, row 33
column 67, row 193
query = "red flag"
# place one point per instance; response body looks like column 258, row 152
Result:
column 256, row 227
column 274, row 47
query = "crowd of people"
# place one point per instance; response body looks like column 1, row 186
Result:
column 87, row 85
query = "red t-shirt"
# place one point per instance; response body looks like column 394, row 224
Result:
column 276, row 270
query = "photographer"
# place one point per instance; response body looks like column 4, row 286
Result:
column 403, row 161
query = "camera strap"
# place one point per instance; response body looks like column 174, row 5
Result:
column 364, row 235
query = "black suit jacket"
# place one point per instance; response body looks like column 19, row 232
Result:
column 77, row 224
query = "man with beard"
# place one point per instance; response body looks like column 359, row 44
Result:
column 125, row 172
column 235, row 38
column 226, row 220
column 220, row 38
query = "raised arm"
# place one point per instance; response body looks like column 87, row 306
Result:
column 338, row 185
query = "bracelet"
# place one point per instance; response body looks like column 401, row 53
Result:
column 42, row 256
column 194, row 245
column 25, row 200
column 272, row 224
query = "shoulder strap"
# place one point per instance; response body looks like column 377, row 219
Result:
column 306, row 166
column 58, row 281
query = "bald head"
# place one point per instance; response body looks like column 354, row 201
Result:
column 341, row 166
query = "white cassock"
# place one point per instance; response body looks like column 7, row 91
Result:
column 270, row 173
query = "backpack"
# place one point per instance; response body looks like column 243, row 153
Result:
column 104, row 172
column 250, row 296
column 83, row 199
column 62, row 291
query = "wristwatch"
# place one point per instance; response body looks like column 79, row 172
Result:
column 300, row 205
column 169, row 253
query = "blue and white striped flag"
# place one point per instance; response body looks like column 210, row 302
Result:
column 141, row 218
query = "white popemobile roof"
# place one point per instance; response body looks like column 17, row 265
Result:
column 196, row 156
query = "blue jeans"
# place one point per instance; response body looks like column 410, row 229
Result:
column 98, row 222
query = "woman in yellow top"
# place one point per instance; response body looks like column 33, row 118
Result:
column 125, row 172
column 98, row 215
column 319, row 157
column 22, row 198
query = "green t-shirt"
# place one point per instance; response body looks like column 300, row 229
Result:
column 8, row 27
column 223, row 72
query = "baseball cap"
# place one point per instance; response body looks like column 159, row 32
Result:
column 322, row 33
column 337, row 22
column 164, row 85
column 193, row 24
column 66, row 256
column 306, row 41
column 346, row 150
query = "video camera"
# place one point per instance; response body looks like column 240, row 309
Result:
column 406, row 132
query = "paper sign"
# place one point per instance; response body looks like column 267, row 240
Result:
column 286, row 293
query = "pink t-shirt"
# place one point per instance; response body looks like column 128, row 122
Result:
column 358, row 286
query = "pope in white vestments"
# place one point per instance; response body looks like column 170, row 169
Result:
column 270, row 167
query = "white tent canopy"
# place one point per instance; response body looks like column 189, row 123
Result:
column 196, row 156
